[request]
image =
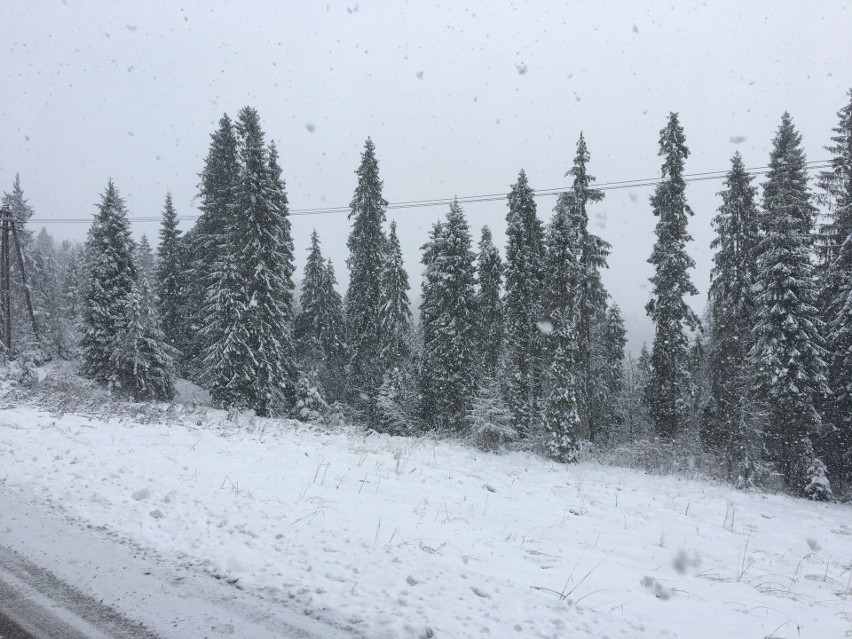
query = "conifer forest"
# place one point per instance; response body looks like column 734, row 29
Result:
column 507, row 347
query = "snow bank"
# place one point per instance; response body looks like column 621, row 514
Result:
column 416, row 538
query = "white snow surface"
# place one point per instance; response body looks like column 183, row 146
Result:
column 394, row 537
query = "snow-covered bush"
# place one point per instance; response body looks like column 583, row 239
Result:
column 310, row 405
column 395, row 403
column 811, row 474
column 489, row 420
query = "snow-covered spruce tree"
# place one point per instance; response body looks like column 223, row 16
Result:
column 449, row 301
column 607, row 400
column 141, row 362
column 524, row 273
column 787, row 355
column 429, row 310
column 561, row 416
column 561, row 273
column 364, row 298
column 71, row 279
column 489, row 305
column 730, row 422
column 836, row 295
column 169, row 276
column 209, row 268
column 146, row 266
column 262, row 356
column 396, row 403
column 310, row 404
column 109, row 280
column 668, row 387
column 489, row 421
column 395, row 311
column 319, row 327
column 46, row 296
column 561, row 419
column 590, row 294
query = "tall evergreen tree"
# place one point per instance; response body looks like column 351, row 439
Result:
column 560, row 301
column 449, row 373
column 523, row 307
column 366, row 261
column 667, row 398
column 730, row 423
column 787, row 354
column 591, row 296
column 489, row 304
column 110, row 276
column 836, row 184
column 170, row 267
column 264, row 366
column 209, row 275
column 394, row 312
column 319, row 328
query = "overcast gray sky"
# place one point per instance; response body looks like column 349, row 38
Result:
column 457, row 96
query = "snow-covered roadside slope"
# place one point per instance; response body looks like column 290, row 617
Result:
column 415, row 538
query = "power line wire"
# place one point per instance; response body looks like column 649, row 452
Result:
column 473, row 199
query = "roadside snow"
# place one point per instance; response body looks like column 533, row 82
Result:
column 414, row 538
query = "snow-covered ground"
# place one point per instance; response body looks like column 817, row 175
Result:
column 403, row 538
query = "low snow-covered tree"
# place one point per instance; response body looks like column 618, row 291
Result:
column 394, row 312
column 47, row 298
column 607, row 400
column 142, row 362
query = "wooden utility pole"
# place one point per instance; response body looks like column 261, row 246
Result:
column 27, row 293
column 8, row 226
column 6, row 281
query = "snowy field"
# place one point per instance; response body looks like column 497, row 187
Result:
column 395, row 537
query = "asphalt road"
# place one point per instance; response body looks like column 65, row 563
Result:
column 61, row 578
column 34, row 603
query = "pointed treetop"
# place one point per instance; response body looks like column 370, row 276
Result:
column 673, row 146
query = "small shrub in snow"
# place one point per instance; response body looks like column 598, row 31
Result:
column 813, row 476
column 310, row 407
column 489, row 420
column 395, row 403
